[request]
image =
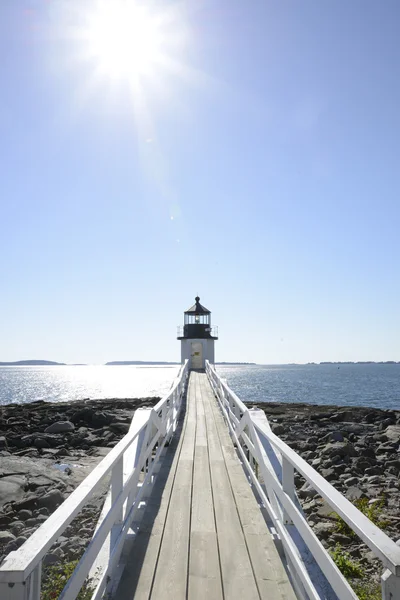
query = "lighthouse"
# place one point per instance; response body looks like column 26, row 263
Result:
column 197, row 337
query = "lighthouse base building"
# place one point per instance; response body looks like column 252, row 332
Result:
column 197, row 337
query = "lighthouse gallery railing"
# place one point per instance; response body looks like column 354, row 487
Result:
column 20, row 573
column 270, row 465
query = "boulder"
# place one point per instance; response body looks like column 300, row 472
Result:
column 16, row 527
column 51, row 500
column 24, row 514
column 306, row 491
column 28, row 503
column 50, row 559
column 60, row 427
column 339, row 449
column 393, row 433
column 328, row 474
column 6, row 536
column 41, row 443
column 354, row 493
column 278, row 429
column 324, row 530
column 351, row 481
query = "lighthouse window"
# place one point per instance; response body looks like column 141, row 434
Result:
column 197, row 319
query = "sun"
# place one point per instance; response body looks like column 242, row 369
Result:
column 125, row 37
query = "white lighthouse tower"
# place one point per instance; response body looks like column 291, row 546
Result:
column 197, row 338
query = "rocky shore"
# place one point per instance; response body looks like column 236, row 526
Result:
column 358, row 451
column 47, row 449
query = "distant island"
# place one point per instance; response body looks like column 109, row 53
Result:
column 31, row 363
column 361, row 362
column 139, row 362
column 242, row 364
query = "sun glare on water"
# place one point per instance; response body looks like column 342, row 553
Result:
column 125, row 37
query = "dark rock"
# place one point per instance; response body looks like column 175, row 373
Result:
column 351, row 481
column 101, row 418
column 306, row 491
column 368, row 452
column 50, row 559
column 324, row 530
column 393, row 471
column 51, row 500
column 386, row 448
column 339, row 449
column 6, row 536
column 60, row 427
column 277, row 429
column 84, row 414
column 41, row 443
column 3, row 442
column 24, row 514
column 361, row 464
column 374, row 479
column 354, row 493
column 20, row 540
column 328, row 474
column 28, row 503
column 387, row 423
column 41, row 518
column 10, row 547
column 5, row 520
column 16, row 527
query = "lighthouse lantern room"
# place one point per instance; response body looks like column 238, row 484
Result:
column 197, row 337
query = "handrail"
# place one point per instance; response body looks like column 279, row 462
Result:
column 270, row 464
column 20, row 573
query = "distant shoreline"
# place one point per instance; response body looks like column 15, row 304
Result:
column 122, row 363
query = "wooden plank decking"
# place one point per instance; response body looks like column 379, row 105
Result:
column 203, row 535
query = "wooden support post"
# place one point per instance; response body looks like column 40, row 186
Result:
column 117, row 483
column 14, row 591
column 288, row 485
column 390, row 586
column 164, row 419
column 35, row 583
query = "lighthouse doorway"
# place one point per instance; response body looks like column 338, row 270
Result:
column 197, row 355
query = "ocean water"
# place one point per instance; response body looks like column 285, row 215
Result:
column 65, row 383
column 349, row 385
column 375, row 385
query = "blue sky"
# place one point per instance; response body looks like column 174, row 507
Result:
column 257, row 167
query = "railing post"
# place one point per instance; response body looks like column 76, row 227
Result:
column 164, row 418
column 14, row 591
column 288, row 485
column 117, row 484
column 390, row 586
column 35, row 583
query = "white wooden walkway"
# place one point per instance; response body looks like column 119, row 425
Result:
column 203, row 535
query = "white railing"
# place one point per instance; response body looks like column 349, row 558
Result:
column 137, row 453
column 270, row 465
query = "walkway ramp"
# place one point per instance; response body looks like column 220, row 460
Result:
column 196, row 527
column 203, row 535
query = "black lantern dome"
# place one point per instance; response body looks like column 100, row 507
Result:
column 197, row 323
